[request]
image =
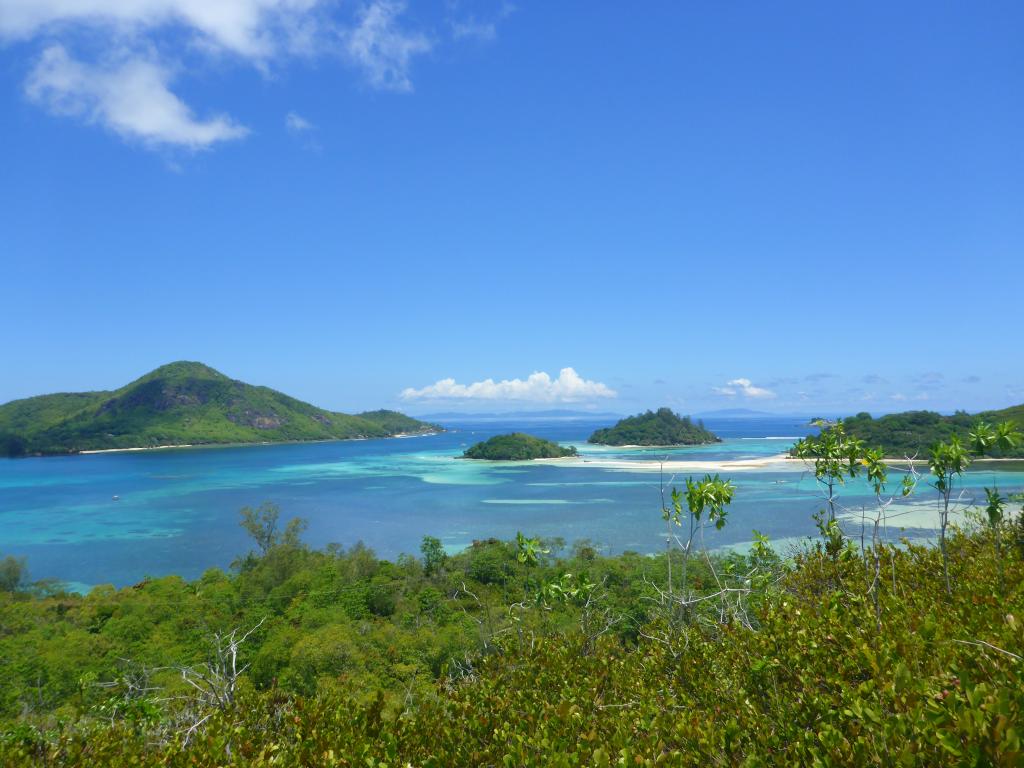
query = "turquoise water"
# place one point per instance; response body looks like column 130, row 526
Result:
column 178, row 509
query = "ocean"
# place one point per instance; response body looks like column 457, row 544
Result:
column 177, row 510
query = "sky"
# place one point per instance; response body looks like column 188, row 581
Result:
column 796, row 207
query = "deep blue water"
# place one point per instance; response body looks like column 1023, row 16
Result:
column 178, row 509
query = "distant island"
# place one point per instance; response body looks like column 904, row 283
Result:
column 663, row 427
column 183, row 403
column 915, row 432
column 517, row 447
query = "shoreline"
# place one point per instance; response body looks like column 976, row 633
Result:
column 775, row 461
column 94, row 451
column 662, row 447
column 126, row 450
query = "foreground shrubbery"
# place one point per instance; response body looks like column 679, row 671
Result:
column 806, row 668
column 334, row 618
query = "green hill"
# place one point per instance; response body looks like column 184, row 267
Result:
column 661, row 427
column 517, row 447
column 181, row 403
column 914, row 432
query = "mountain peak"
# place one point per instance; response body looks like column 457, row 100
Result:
column 184, row 369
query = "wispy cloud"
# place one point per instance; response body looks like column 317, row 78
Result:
column 296, row 123
column 249, row 28
column 930, row 380
column 303, row 131
column 569, row 387
column 481, row 24
column 381, row 48
column 129, row 92
column 477, row 30
column 819, row 376
column 130, row 96
column 745, row 388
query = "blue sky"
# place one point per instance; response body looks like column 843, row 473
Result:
column 782, row 206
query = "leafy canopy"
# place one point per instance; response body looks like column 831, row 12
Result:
column 518, row 446
column 655, row 428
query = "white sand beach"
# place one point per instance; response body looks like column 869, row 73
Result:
column 126, row 450
column 776, row 462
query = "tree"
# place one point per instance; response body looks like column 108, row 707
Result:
column 528, row 551
column 835, row 457
column 434, row 555
column 712, row 495
column 12, row 445
column 950, row 459
column 13, row 574
column 261, row 523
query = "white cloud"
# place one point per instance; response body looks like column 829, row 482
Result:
column 476, row 27
column 296, row 123
column 383, row 50
column 250, row 28
column 130, row 97
column 743, row 387
column 538, row 387
column 130, row 93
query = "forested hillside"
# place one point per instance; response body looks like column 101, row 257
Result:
column 517, row 447
column 655, row 428
column 180, row 404
column 915, row 432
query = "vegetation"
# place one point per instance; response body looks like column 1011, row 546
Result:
column 517, row 447
column 395, row 423
column 508, row 654
column 180, row 404
column 656, row 428
column 914, row 433
column 492, row 658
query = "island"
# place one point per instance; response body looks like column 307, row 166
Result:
column 913, row 433
column 182, row 404
column 659, row 428
column 517, row 446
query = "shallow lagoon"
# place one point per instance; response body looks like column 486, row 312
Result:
column 178, row 508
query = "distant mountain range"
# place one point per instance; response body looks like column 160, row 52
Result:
column 737, row 413
column 183, row 403
column 520, row 415
column 724, row 413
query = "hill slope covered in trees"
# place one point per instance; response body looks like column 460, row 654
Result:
column 182, row 403
column 517, row 447
column 661, row 427
column 915, row 432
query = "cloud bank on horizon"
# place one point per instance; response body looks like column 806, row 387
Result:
column 120, row 74
column 538, row 387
